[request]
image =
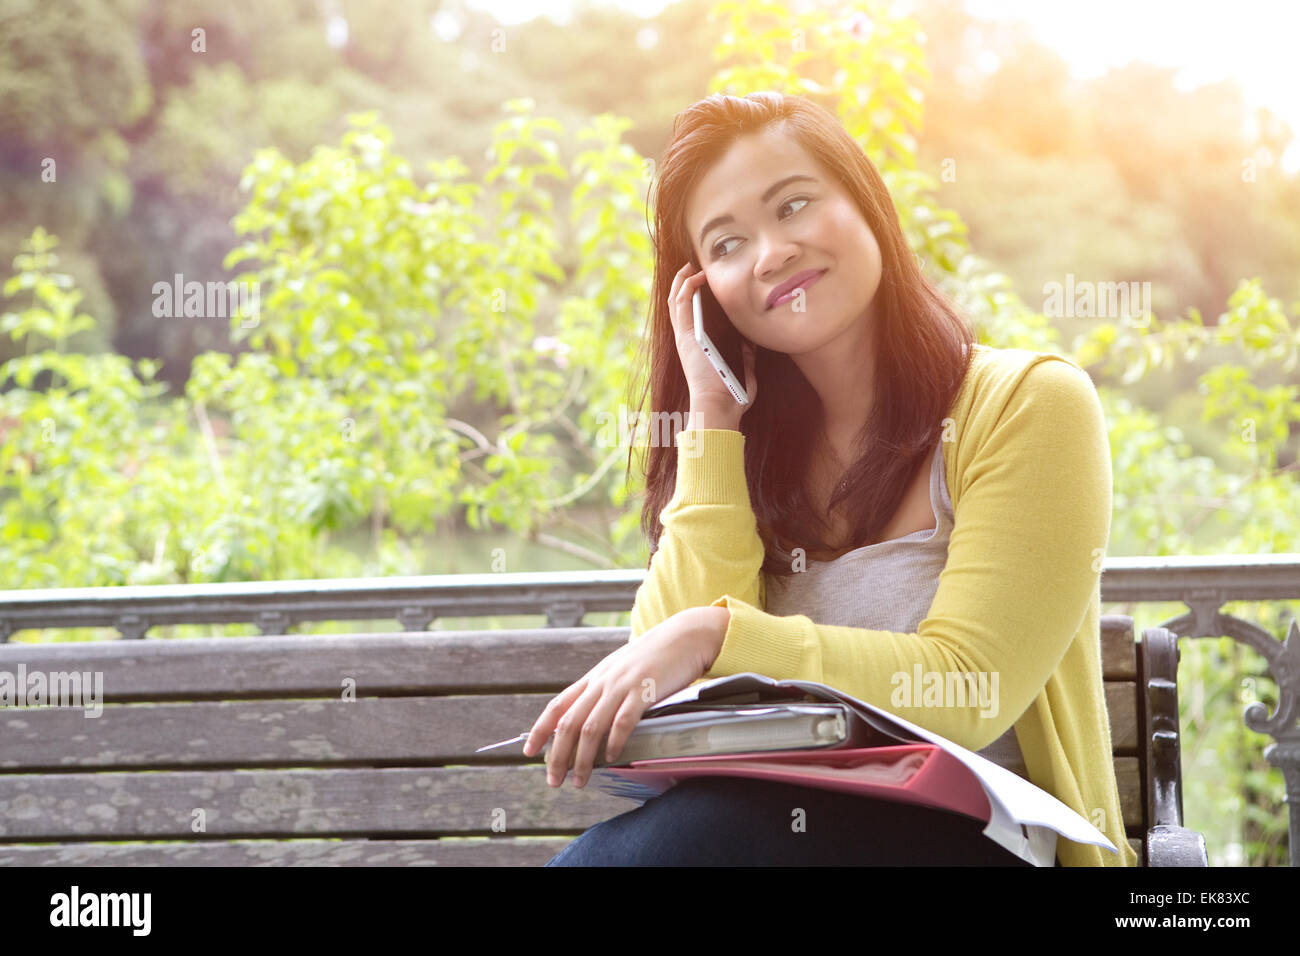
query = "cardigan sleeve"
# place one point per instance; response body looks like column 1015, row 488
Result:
column 709, row 544
column 1031, row 524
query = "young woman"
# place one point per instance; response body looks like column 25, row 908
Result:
column 899, row 500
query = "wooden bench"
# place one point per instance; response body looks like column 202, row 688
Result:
column 359, row 750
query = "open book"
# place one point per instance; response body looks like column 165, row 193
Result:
column 870, row 751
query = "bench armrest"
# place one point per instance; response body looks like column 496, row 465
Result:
column 1159, row 676
column 1168, row 842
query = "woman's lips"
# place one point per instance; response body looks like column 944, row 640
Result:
column 806, row 284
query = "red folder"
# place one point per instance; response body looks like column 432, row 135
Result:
column 923, row 774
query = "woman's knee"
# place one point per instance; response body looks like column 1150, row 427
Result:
column 692, row 822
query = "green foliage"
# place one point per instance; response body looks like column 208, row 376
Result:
column 49, row 97
column 385, row 308
column 206, row 131
column 69, row 446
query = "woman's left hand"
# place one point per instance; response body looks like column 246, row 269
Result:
column 612, row 696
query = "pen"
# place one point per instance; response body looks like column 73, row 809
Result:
column 512, row 740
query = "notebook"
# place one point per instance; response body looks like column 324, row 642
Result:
column 696, row 730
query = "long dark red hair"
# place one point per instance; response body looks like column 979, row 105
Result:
column 923, row 345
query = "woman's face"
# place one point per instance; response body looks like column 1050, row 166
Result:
column 806, row 224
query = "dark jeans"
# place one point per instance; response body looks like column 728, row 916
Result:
column 741, row 821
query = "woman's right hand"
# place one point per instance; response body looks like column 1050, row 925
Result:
column 709, row 393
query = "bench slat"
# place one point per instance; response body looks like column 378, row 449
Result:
column 482, row 851
column 472, row 851
column 431, row 662
column 302, row 732
column 1118, row 650
column 431, row 801
column 1128, row 781
column 1122, row 708
column 376, row 802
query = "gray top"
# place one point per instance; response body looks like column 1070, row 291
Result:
column 887, row 586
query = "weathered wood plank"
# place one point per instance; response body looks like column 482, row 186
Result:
column 307, row 732
column 1128, row 780
column 270, row 732
column 429, row 662
column 1118, row 654
column 431, row 801
column 481, row 851
column 1122, row 708
column 473, row 851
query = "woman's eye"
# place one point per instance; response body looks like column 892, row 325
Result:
column 802, row 199
column 717, row 255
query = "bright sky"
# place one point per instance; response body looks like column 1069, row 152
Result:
column 1251, row 41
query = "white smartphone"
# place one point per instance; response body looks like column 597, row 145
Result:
column 715, row 357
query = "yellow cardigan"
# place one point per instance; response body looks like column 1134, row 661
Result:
column 1029, row 474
